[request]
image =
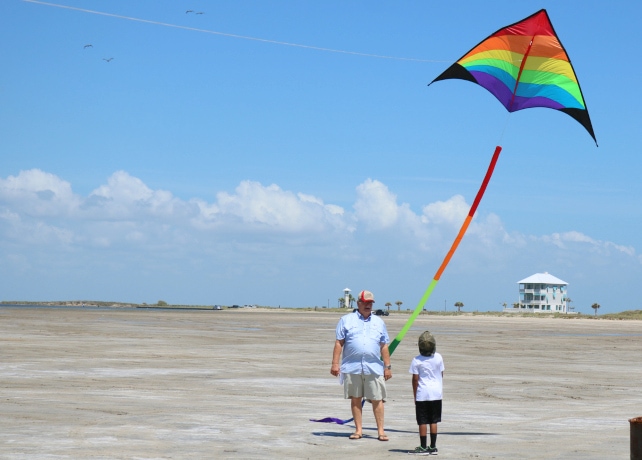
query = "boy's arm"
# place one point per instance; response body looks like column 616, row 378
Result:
column 415, row 384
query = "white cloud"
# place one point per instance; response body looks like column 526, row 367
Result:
column 376, row 207
column 38, row 193
column 39, row 206
column 270, row 208
column 128, row 197
column 126, row 230
column 452, row 211
column 564, row 240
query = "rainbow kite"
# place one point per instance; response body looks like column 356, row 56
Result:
column 523, row 65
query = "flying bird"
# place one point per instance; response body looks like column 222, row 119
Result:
column 108, row 60
column 200, row 12
column 88, row 46
column 189, row 11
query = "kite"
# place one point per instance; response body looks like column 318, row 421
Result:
column 524, row 65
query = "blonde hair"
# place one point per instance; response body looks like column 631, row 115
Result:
column 427, row 344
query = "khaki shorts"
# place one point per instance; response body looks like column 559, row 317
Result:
column 369, row 386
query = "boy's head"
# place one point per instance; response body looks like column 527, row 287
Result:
column 427, row 344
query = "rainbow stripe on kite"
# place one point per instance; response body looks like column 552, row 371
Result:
column 525, row 65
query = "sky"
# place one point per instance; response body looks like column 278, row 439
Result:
column 274, row 153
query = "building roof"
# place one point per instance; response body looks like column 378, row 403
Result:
column 542, row 278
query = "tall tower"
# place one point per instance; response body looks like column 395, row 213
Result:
column 346, row 297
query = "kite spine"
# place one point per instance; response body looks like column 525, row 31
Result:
column 453, row 248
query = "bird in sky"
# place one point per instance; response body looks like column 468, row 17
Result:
column 200, row 12
column 88, row 46
column 189, row 11
column 108, row 60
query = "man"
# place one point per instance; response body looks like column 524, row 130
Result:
column 365, row 367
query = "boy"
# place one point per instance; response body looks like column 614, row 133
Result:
column 427, row 371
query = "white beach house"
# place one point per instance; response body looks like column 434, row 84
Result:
column 542, row 293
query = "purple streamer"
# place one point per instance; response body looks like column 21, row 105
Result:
column 332, row 420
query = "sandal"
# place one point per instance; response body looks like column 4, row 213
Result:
column 382, row 437
column 355, row 436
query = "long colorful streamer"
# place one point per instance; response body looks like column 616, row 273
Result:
column 453, row 248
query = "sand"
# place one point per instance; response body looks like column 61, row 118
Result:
column 159, row 384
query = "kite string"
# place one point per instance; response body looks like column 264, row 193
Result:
column 503, row 131
column 224, row 34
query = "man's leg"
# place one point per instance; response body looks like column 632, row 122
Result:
column 377, row 408
column 355, row 406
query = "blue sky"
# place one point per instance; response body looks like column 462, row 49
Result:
column 199, row 167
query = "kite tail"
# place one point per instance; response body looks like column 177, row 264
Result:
column 338, row 421
column 453, row 248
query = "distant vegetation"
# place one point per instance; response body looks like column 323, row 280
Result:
column 99, row 303
column 629, row 314
column 625, row 315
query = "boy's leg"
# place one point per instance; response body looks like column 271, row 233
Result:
column 423, row 435
column 433, row 434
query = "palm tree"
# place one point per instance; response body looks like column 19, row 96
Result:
column 516, row 305
column 595, row 306
column 351, row 300
column 398, row 303
column 388, row 305
column 459, row 306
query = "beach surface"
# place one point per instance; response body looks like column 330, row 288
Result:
column 158, row 384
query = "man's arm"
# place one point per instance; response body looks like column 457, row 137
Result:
column 336, row 357
column 385, row 356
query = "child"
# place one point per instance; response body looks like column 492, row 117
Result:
column 427, row 371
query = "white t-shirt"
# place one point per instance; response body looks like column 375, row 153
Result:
column 429, row 369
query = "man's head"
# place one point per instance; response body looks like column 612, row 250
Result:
column 427, row 344
column 364, row 302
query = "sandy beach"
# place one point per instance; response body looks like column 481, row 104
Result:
column 159, row 384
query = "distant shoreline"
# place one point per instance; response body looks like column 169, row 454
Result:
column 625, row 315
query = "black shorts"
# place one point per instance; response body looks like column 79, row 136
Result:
column 428, row 412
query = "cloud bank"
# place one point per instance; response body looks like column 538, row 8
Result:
column 125, row 239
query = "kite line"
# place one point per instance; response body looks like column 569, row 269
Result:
column 230, row 35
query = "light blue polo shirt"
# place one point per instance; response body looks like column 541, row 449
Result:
column 363, row 340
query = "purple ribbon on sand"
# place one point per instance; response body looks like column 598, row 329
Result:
column 332, row 420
